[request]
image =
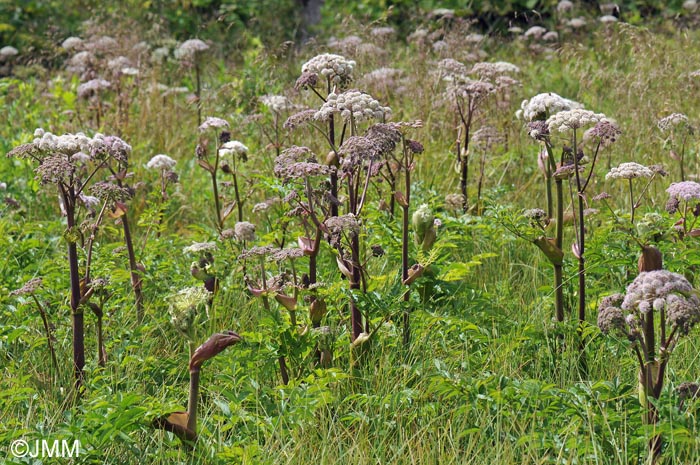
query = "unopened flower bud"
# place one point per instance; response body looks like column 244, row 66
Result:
column 332, row 159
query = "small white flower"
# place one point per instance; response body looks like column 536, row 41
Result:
column 199, row 247
column 607, row 19
column 87, row 89
column 212, row 122
column 276, row 103
column 190, row 48
column 535, row 32
column 8, row 51
column 245, row 231
column 233, row 147
column 161, row 162
column 72, row 43
column 564, row 6
column 576, row 23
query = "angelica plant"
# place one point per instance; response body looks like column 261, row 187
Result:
column 336, row 72
column 657, row 310
column 231, row 153
column 678, row 130
column 164, row 165
column 299, row 168
column 219, row 128
column 568, row 122
column 684, row 198
column 30, row 289
column 57, row 159
column 115, row 192
column 277, row 105
column 190, row 54
column 536, row 111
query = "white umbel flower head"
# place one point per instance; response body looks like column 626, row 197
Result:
column 276, row 103
column 212, row 122
column 199, row 247
column 72, row 43
column 672, row 121
column 491, row 70
column 535, row 32
column 92, row 87
column 608, row 19
column 67, row 144
column 245, row 231
column 352, row 104
column 8, row 51
column 542, row 106
column 190, row 48
column 629, row 170
column 565, row 121
column 233, row 147
column 576, row 23
column 161, row 162
column 337, row 68
column 565, row 6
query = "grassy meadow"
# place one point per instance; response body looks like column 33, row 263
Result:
column 364, row 310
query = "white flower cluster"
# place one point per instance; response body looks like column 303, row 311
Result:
column 565, row 6
column 212, row 122
column 498, row 68
column 233, row 147
column 535, row 32
column 276, row 103
column 564, row 121
column 576, row 23
column 544, row 105
column 8, row 51
column 93, row 86
column 629, row 170
column 161, row 162
column 199, row 247
column 654, row 290
column 67, row 144
column 72, row 43
column 686, row 190
column 607, row 19
column 382, row 76
column 245, row 231
column 452, row 70
column 673, row 120
column 189, row 49
column 337, row 68
column 352, row 104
